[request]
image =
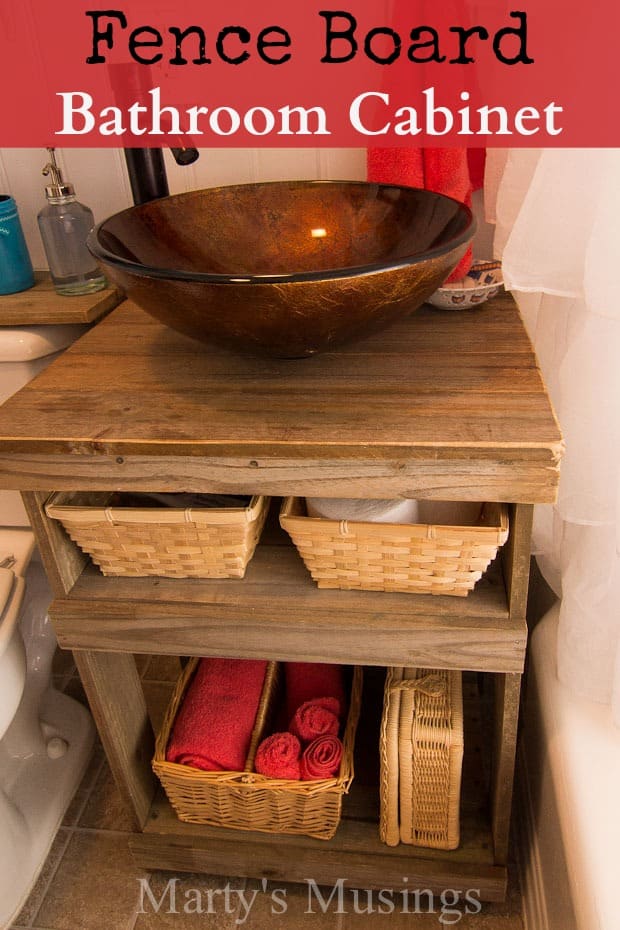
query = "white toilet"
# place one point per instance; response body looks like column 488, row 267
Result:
column 46, row 737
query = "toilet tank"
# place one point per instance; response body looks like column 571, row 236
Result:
column 24, row 352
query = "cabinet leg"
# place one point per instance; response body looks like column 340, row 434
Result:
column 507, row 692
column 516, row 563
column 516, row 558
column 114, row 691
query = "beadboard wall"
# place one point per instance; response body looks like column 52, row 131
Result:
column 101, row 181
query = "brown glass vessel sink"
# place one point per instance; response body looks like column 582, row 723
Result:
column 288, row 268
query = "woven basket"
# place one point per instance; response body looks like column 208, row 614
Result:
column 249, row 801
column 168, row 542
column 421, row 756
column 414, row 558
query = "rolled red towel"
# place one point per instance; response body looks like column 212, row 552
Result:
column 321, row 759
column 278, row 756
column 214, row 725
column 316, row 718
column 308, row 680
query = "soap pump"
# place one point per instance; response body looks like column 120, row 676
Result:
column 64, row 224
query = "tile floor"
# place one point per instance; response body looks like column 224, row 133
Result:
column 89, row 881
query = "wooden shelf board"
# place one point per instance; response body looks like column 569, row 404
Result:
column 277, row 610
column 355, row 853
column 41, row 305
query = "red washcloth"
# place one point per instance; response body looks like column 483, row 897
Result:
column 278, row 756
column 214, row 725
column 321, row 759
column 444, row 171
column 308, row 680
column 316, row 718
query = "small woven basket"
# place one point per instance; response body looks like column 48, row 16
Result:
column 249, row 801
column 168, row 542
column 421, row 756
column 414, row 558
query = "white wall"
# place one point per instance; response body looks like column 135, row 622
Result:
column 101, row 181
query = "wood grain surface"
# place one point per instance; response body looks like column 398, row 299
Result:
column 442, row 405
column 278, row 611
column 41, row 305
column 355, row 853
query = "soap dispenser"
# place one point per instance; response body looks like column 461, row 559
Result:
column 64, row 224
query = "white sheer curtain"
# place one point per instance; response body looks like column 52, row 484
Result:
column 557, row 215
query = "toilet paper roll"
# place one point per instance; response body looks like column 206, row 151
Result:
column 381, row 511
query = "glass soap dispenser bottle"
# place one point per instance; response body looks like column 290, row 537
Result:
column 64, row 224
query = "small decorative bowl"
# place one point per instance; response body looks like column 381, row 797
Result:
column 483, row 280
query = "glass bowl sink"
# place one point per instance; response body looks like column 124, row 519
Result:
column 287, row 268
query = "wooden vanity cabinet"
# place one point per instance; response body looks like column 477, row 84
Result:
column 445, row 405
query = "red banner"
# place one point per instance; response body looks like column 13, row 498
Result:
column 353, row 73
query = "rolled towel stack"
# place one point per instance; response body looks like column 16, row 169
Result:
column 213, row 727
column 281, row 756
column 315, row 707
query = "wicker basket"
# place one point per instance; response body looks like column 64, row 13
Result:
column 415, row 558
column 249, row 801
column 421, row 755
column 168, row 542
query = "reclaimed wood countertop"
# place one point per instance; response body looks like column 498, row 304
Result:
column 443, row 404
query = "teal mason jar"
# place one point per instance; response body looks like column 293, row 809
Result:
column 15, row 266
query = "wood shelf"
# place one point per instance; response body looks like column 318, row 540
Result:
column 355, row 853
column 278, row 611
column 42, row 306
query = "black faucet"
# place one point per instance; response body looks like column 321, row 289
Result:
column 147, row 171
